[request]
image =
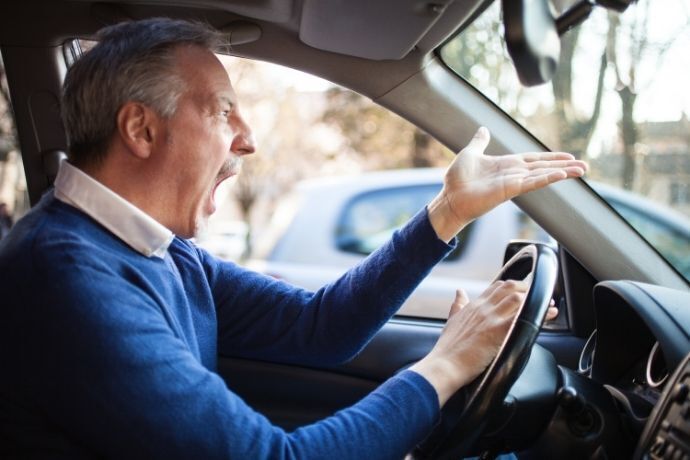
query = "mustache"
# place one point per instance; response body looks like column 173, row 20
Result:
column 231, row 166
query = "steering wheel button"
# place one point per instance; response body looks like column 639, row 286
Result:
column 681, row 423
column 659, row 448
column 680, row 393
column 685, row 412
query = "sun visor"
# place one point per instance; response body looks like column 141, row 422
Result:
column 378, row 30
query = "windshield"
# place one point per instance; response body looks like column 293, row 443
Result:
column 620, row 100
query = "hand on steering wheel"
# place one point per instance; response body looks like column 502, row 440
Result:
column 536, row 267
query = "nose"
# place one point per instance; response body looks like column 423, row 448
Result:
column 243, row 143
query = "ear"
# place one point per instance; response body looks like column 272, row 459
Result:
column 138, row 126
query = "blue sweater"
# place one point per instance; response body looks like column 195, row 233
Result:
column 106, row 352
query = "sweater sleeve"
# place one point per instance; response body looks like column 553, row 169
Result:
column 107, row 370
column 263, row 318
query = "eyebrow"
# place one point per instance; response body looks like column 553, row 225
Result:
column 225, row 100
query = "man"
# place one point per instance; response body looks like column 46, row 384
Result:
column 113, row 319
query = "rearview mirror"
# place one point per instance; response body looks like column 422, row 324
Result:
column 532, row 33
column 532, row 39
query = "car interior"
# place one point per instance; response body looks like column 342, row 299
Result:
column 610, row 384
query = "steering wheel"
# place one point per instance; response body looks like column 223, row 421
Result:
column 467, row 413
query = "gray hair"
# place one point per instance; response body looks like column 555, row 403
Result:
column 132, row 61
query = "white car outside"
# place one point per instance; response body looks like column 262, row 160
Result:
column 331, row 224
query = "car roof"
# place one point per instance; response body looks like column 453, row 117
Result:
column 391, row 31
column 382, row 29
column 375, row 179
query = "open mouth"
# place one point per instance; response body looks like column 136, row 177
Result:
column 229, row 169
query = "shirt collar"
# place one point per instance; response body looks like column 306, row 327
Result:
column 122, row 218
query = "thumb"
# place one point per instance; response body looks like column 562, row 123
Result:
column 480, row 140
column 460, row 301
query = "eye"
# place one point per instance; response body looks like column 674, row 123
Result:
column 225, row 108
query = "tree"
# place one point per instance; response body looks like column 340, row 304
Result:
column 8, row 135
column 565, row 123
column 631, row 39
column 574, row 127
column 12, row 179
column 377, row 137
column 292, row 141
column 479, row 55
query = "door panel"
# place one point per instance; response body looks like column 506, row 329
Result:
column 292, row 396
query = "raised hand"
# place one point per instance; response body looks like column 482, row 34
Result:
column 476, row 183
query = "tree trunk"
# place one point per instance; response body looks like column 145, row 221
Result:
column 628, row 135
column 562, row 82
column 420, row 149
column 574, row 131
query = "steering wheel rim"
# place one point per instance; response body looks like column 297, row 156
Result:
column 485, row 394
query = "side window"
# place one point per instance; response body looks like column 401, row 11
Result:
column 528, row 229
column 369, row 220
column 672, row 241
column 313, row 198
column 14, row 199
column 679, row 193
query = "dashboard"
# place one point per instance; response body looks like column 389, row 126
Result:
column 645, row 378
column 630, row 393
column 642, row 337
column 643, row 332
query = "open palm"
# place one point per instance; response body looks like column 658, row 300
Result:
column 476, row 183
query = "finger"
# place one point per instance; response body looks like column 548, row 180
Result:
column 570, row 171
column 462, row 297
column 575, row 171
column 549, row 177
column 510, row 304
column 480, row 140
column 516, row 184
column 551, row 313
column 489, row 291
column 542, row 180
column 507, row 289
column 537, row 156
column 460, row 301
column 547, row 164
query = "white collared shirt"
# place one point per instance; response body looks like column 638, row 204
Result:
column 122, row 218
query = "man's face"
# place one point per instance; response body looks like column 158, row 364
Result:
column 204, row 142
